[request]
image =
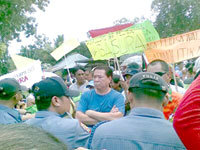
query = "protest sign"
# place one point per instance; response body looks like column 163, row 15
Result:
column 175, row 49
column 28, row 75
column 98, row 32
column 116, row 44
column 20, row 61
column 148, row 29
column 65, row 48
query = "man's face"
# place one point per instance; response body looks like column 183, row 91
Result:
column 100, row 79
column 88, row 75
column 158, row 68
column 115, row 85
column 64, row 104
column 80, row 76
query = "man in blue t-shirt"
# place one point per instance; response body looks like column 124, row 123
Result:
column 102, row 103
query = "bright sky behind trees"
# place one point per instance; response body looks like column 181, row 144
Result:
column 74, row 18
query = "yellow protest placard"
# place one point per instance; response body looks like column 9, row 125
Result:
column 175, row 49
column 65, row 48
column 116, row 44
column 20, row 61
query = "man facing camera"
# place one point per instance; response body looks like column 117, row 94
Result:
column 145, row 127
column 101, row 103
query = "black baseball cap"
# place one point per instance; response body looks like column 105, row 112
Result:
column 8, row 87
column 132, row 69
column 53, row 86
column 148, row 80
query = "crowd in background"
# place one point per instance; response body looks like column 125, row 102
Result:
column 132, row 107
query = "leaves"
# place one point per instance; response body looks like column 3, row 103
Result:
column 14, row 18
column 176, row 16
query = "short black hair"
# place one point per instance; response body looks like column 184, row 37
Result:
column 23, row 136
column 116, row 78
column 75, row 69
column 151, row 94
column 164, row 65
column 43, row 103
column 108, row 70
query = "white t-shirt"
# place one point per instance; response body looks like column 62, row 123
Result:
column 81, row 88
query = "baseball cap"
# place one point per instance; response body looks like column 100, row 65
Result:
column 132, row 69
column 53, row 86
column 116, row 78
column 148, row 80
column 90, row 84
column 8, row 87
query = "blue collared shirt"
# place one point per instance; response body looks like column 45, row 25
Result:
column 142, row 129
column 66, row 129
column 9, row 116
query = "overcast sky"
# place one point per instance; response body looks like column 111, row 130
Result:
column 74, row 18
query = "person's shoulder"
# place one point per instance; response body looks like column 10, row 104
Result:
column 111, row 126
column 64, row 123
column 115, row 94
column 9, row 118
column 73, row 86
column 89, row 92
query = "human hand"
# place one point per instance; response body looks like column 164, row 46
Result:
column 89, row 112
column 124, row 85
column 114, row 109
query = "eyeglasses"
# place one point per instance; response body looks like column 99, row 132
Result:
column 160, row 73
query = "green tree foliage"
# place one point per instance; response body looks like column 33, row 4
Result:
column 15, row 18
column 41, row 49
column 82, row 49
column 176, row 16
column 133, row 21
column 58, row 41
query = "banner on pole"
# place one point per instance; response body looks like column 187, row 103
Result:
column 175, row 49
column 116, row 44
column 65, row 48
column 28, row 75
column 20, row 61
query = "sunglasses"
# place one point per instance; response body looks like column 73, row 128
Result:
column 160, row 73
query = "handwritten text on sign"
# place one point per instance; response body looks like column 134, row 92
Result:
column 28, row 75
column 148, row 29
column 175, row 49
column 116, row 44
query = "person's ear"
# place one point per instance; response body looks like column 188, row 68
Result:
column 166, row 100
column 110, row 78
column 131, row 99
column 55, row 101
column 18, row 96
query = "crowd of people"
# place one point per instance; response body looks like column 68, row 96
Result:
column 140, row 108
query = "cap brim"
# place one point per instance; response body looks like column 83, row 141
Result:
column 88, row 86
column 23, row 88
column 72, row 93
